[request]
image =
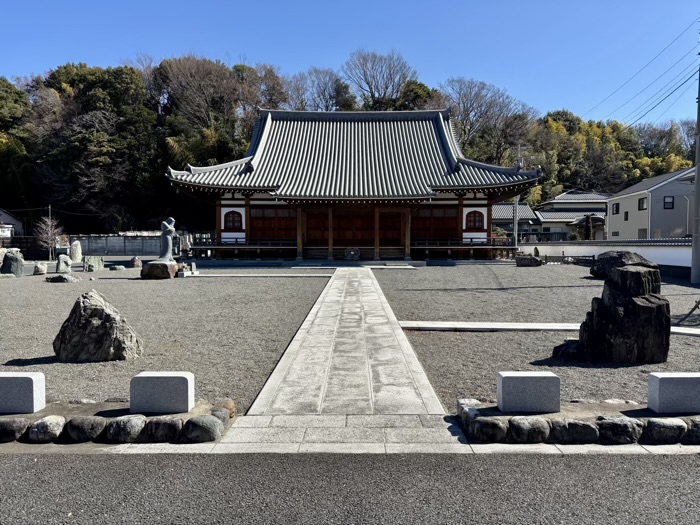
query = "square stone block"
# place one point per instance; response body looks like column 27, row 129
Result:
column 528, row 392
column 22, row 392
column 674, row 392
column 162, row 392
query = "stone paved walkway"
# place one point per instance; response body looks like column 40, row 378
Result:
column 350, row 356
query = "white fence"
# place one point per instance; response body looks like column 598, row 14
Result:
column 113, row 245
column 665, row 253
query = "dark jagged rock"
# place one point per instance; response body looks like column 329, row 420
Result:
column 95, row 331
column 570, row 350
column 527, row 260
column 631, row 322
column 606, row 261
column 664, row 431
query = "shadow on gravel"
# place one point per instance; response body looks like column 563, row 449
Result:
column 558, row 363
column 495, row 289
column 50, row 359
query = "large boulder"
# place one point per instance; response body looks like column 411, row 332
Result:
column 40, row 268
column 76, row 251
column 135, row 262
column 631, row 322
column 95, row 331
column 13, row 263
column 63, row 265
column 93, row 263
column 606, row 261
column 160, row 270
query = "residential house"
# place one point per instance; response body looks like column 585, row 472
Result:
column 656, row 208
column 10, row 225
column 562, row 217
column 502, row 217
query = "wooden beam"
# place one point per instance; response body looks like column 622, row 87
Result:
column 330, row 233
column 376, row 234
column 489, row 225
column 300, row 234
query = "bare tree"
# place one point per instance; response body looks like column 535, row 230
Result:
column 322, row 89
column 202, row 90
column 297, row 87
column 473, row 104
column 378, row 79
column 687, row 132
column 47, row 232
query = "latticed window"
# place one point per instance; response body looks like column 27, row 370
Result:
column 233, row 221
column 475, row 220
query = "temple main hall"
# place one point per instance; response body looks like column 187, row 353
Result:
column 368, row 185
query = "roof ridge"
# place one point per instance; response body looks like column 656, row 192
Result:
column 422, row 114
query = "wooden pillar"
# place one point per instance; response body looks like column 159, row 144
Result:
column 489, row 225
column 247, row 220
column 217, row 235
column 376, row 234
column 330, row 233
column 460, row 219
column 407, row 241
column 300, row 234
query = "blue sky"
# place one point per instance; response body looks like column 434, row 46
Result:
column 550, row 54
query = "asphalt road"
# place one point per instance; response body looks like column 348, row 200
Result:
column 334, row 489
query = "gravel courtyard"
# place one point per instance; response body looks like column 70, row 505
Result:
column 230, row 332
column 461, row 364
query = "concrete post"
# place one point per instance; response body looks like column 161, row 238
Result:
column 695, row 264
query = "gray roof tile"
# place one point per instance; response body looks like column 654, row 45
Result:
column 504, row 211
column 651, row 182
column 353, row 155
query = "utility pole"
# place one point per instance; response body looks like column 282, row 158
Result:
column 49, row 213
column 515, row 221
column 695, row 264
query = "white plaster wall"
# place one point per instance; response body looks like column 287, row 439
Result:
column 668, row 255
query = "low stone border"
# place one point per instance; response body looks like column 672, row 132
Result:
column 486, row 424
column 133, row 428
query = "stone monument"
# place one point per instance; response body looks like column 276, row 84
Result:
column 13, row 263
column 165, row 267
column 76, row 251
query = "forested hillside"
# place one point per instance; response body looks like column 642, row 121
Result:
column 95, row 143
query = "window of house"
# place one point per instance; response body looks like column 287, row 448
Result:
column 642, row 203
column 546, row 229
column 668, row 202
column 627, row 215
column 615, row 234
column 233, row 221
column 616, row 208
column 475, row 220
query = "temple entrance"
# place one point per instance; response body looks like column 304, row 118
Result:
column 390, row 229
column 317, row 227
column 353, row 227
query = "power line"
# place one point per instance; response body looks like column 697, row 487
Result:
column 25, row 209
column 674, row 102
column 660, row 101
column 643, row 67
column 53, row 209
column 660, row 92
column 692, row 49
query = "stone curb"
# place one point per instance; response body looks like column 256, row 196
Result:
column 601, row 429
column 132, row 428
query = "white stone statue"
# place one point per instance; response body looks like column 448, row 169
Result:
column 166, row 240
